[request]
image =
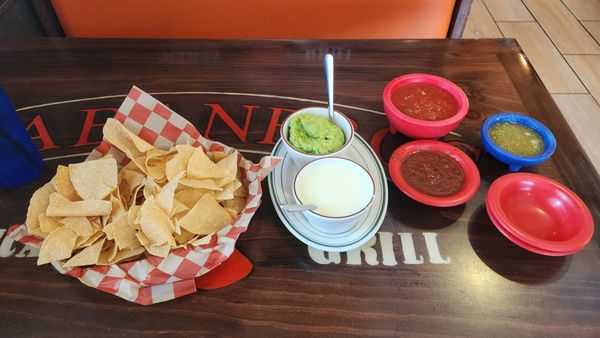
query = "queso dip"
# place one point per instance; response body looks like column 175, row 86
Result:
column 338, row 188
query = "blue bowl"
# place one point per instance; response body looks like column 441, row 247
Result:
column 515, row 162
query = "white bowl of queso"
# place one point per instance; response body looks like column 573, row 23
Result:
column 341, row 189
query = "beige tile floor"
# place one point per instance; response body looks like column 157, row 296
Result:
column 561, row 38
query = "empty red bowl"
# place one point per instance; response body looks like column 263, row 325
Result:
column 540, row 212
column 524, row 244
column 470, row 184
column 422, row 129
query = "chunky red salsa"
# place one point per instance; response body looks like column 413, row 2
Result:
column 424, row 102
column 432, row 173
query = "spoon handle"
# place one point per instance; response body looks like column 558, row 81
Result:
column 329, row 78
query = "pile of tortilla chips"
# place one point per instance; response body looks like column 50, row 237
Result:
column 92, row 213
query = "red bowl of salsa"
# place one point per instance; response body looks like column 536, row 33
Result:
column 423, row 105
column 434, row 173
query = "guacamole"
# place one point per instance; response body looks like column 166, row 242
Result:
column 315, row 134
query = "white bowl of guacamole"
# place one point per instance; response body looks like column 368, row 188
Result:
column 309, row 135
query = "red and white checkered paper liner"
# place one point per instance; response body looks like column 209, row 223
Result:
column 156, row 279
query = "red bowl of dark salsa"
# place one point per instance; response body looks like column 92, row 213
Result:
column 434, row 173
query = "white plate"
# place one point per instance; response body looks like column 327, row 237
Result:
column 280, row 186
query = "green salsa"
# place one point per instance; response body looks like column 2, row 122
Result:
column 517, row 139
column 315, row 134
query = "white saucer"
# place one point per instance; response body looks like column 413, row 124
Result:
column 280, row 186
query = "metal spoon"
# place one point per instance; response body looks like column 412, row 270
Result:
column 297, row 207
column 329, row 78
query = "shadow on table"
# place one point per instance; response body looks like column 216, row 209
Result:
column 420, row 216
column 508, row 259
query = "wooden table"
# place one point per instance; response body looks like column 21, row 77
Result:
column 431, row 271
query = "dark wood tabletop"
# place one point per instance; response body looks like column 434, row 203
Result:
column 431, row 272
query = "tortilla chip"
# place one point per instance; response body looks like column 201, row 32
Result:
column 38, row 232
column 136, row 196
column 95, row 222
column 112, row 252
column 109, row 251
column 229, row 165
column 132, row 214
column 94, row 180
column 87, row 256
column 206, row 183
column 37, row 206
column 151, row 189
column 184, row 237
column 166, row 195
column 117, row 206
column 237, row 203
column 158, row 154
column 62, row 184
column 144, row 240
column 156, row 224
column 88, row 240
column 159, row 250
column 201, row 240
column 234, row 214
column 104, row 220
column 127, row 254
column 59, row 206
column 109, row 231
column 155, row 163
column 129, row 143
column 218, row 156
column 80, row 241
column 130, row 180
column 140, row 162
column 132, row 166
column 240, row 189
column 206, row 217
column 123, row 235
column 226, row 193
column 179, row 208
column 81, row 225
column 190, row 196
column 179, row 162
column 201, row 167
column 57, row 246
column 48, row 224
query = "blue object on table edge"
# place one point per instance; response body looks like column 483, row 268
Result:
column 20, row 162
column 515, row 162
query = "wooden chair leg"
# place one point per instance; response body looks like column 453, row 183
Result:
column 48, row 18
column 459, row 18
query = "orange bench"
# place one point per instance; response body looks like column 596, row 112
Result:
column 241, row 19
